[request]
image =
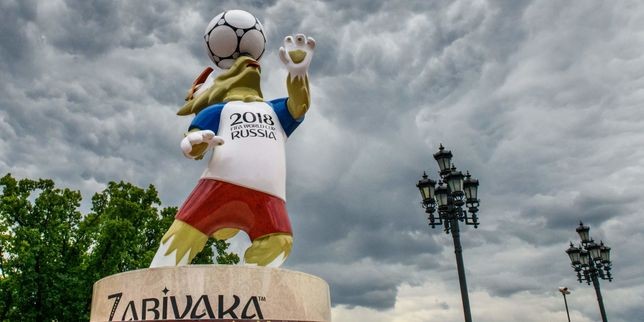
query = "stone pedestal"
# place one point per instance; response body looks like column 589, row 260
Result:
column 211, row 293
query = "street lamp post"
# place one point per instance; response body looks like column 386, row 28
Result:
column 454, row 191
column 591, row 262
column 564, row 291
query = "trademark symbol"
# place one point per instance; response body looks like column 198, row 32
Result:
column 262, row 298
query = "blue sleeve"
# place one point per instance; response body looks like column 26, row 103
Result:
column 208, row 118
column 289, row 124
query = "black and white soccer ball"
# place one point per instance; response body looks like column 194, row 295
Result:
column 234, row 33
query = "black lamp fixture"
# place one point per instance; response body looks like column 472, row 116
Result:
column 426, row 187
column 444, row 159
column 452, row 192
column 584, row 232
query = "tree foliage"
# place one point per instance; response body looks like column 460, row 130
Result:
column 51, row 254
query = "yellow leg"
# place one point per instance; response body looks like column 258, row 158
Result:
column 182, row 238
column 266, row 249
column 225, row 233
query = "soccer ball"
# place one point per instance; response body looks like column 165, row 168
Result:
column 234, row 33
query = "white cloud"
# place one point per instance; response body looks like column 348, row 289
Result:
column 435, row 301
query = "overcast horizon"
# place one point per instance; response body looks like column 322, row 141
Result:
column 542, row 101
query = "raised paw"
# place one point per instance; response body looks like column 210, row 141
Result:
column 197, row 142
column 296, row 54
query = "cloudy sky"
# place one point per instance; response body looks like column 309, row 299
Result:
column 543, row 101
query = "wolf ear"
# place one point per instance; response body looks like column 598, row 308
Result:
column 198, row 82
column 187, row 108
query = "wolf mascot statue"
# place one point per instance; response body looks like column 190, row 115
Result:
column 243, row 187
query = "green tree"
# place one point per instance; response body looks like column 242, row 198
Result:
column 40, row 254
column 50, row 254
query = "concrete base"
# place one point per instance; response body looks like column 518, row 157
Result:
column 211, row 293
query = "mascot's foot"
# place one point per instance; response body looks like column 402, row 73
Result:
column 270, row 250
column 179, row 245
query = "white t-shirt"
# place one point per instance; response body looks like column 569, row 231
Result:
column 253, row 153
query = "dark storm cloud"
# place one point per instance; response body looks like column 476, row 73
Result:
column 91, row 28
column 540, row 100
column 17, row 49
column 364, row 282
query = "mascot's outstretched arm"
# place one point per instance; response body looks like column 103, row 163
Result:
column 296, row 55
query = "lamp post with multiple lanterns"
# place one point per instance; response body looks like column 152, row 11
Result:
column 591, row 262
column 454, row 191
